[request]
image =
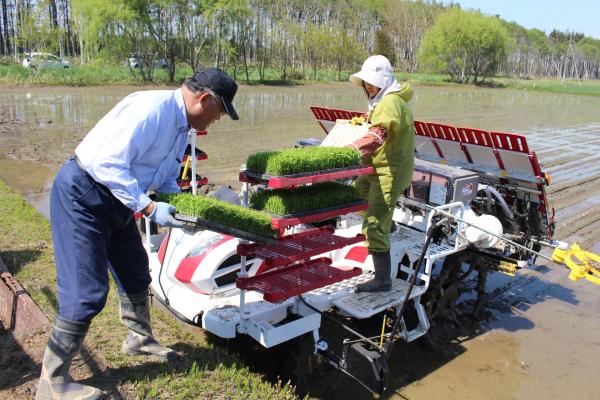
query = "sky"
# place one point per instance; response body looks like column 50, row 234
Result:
column 576, row 15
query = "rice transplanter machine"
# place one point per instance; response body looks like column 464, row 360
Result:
column 477, row 203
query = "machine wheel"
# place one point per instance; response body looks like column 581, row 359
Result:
column 440, row 301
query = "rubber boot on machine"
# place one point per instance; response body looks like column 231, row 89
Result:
column 55, row 381
column 135, row 314
column 382, row 282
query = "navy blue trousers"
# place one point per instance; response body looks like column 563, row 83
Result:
column 93, row 233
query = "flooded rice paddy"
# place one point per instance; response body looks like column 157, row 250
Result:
column 40, row 127
column 543, row 342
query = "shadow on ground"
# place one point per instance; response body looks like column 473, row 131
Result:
column 17, row 259
column 17, row 366
column 112, row 379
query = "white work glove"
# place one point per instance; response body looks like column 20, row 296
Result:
column 163, row 215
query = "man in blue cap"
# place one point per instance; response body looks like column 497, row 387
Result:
column 133, row 150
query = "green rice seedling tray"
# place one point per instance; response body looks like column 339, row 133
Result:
column 307, row 204
column 287, row 181
column 221, row 216
column 195, row 223
column 279, row 222
column 301, row 160
column 304, row 198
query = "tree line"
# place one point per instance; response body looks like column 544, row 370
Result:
column 295, row 38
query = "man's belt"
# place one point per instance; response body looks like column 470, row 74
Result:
column 99, row 185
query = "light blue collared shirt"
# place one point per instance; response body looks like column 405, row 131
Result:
column 136, row 148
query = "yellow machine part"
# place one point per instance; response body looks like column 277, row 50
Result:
column 357, row 120
column 582, row 264
column 186, row 167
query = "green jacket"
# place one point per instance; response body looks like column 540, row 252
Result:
column 394, row 160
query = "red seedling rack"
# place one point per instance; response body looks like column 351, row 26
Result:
column 287, row 181
column 200, row 155
column 281, row 284
column 186, row 184
column 297, row 247
column 286, row 221
column 289, row 272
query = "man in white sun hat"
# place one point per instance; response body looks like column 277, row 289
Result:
column 388, row 146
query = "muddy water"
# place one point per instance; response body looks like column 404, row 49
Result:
column 545, row 342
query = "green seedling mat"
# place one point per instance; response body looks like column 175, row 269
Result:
column 204, row 211
column 304, row 199
column 301, row 158
column 195, row 223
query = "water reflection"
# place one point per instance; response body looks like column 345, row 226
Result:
column 63, row 105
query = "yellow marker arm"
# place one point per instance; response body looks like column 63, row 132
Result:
column 582, row 264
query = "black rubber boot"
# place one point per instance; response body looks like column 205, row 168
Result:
column 55, row 381
column 382, row 282
column 135, row 314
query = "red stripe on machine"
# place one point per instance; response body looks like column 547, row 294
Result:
column 358, row 254
column 188, row 265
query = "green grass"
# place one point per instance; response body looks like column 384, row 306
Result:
column 89, row 75
column 26, row 247
column 304, row 198
column 550, row 85
column 204, row 371
column 272, row 75
column 222, row 212
column 301, row 160
column 424, row 78
column 13, row 74
column 235, row 382
column 572, row 86
column 95, row 75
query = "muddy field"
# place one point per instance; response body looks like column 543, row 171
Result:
column 540, row 339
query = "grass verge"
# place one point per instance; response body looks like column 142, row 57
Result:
column 204, row 371
column 12, row 74
column 98, row 75
column 89, row 75
column 571, row 86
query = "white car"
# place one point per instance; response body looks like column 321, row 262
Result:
column 134, row 62
column 44, row 60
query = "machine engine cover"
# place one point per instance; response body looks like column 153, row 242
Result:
column 439, row 184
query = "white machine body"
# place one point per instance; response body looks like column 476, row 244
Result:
column 194, row 273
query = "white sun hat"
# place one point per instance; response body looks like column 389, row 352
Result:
column 376, row 70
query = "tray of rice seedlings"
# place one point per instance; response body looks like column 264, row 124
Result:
column 292, row 167
column 306, row 200
column 200, row 212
